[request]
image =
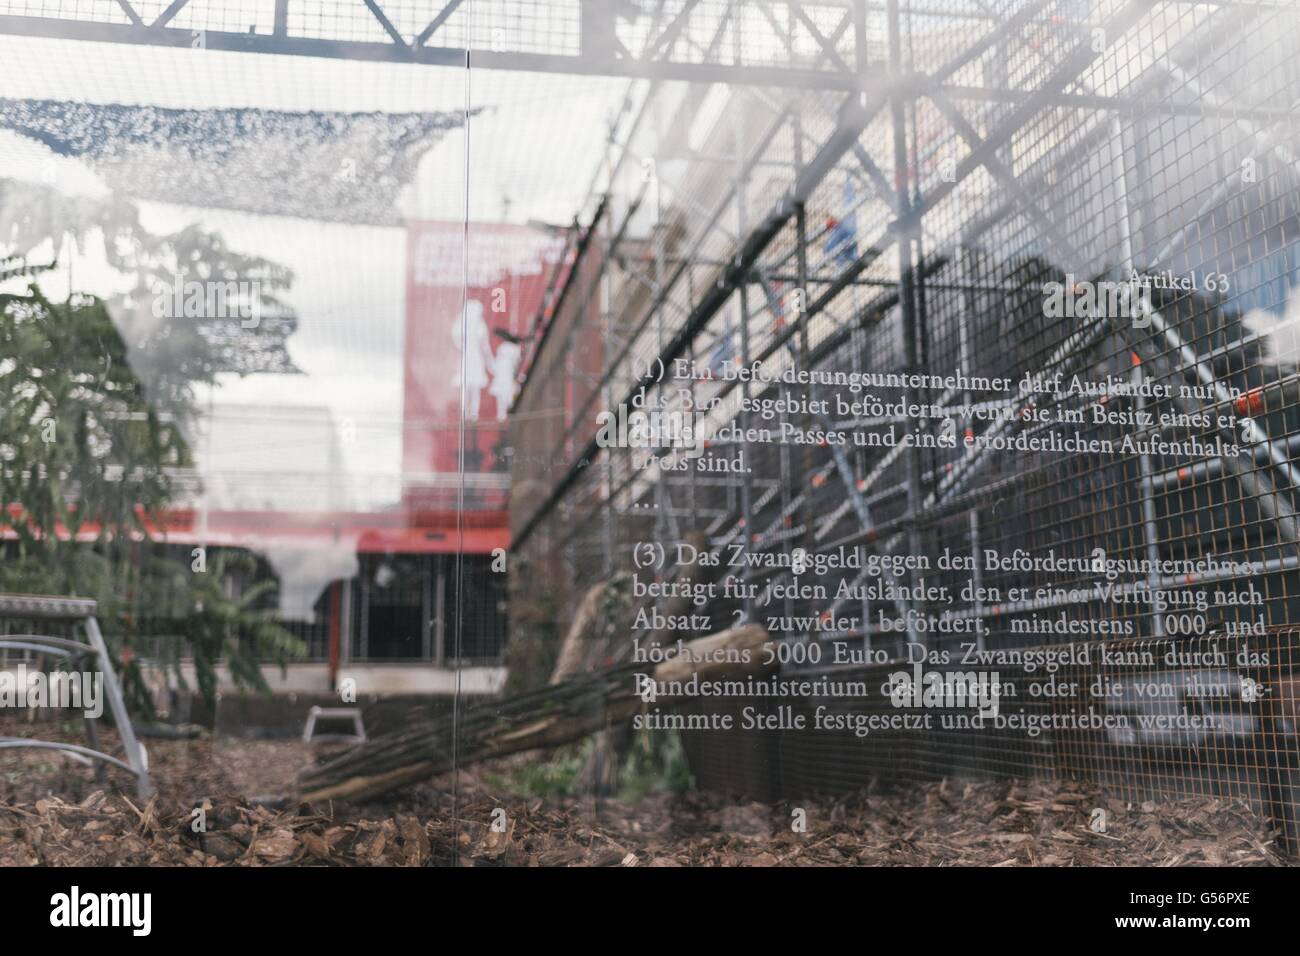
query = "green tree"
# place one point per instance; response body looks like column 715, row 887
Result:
column 87, row 459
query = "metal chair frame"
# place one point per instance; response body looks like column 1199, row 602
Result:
column 82, row 612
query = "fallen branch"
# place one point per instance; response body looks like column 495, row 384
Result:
column 546, row 717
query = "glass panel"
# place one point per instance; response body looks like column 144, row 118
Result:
column 652, row 433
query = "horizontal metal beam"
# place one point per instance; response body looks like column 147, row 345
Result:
column 1127, row 103
column 35, row 605
column 46, row 644
column 392, row 52
column 22, row 743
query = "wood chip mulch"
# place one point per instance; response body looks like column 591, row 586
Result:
column 207, row 813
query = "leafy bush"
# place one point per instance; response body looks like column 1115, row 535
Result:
column 86, row 464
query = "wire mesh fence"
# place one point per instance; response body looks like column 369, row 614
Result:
column 988, row 367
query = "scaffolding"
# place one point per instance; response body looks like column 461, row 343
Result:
column 980, row 309
column 1010, row 324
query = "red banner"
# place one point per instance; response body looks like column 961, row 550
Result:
column 466, row 319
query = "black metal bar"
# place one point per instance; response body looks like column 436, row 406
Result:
column 897, row 85
column 384, row 22
column 1070, row 67
column 1060, row 247
column 853, row 119
column 827, row 47
column 177, row 6
column 394, row 52
column 1118, row 104
column 681, row 270
column 130, row 12
column 906, row 279
column 663, row 43
column 423, row 37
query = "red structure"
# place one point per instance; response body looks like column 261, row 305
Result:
column 471, row 298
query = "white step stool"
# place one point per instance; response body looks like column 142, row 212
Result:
column 358, row 735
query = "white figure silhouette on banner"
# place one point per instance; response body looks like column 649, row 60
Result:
column 475, row 356
column 504, row 369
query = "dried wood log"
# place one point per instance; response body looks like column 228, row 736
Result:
column 573, row 650
column 599, row 774
column 546, row 717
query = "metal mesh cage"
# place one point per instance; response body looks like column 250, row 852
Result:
column 1023, row 314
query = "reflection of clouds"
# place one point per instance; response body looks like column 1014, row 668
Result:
column 348, row 292
column 305, row 571
column 29, row 161
column 469, row 335
column 504, row 369
column 274, row 458
column 318, row 449
column 1278, row 333
column 349, row 281
column 349, row 289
